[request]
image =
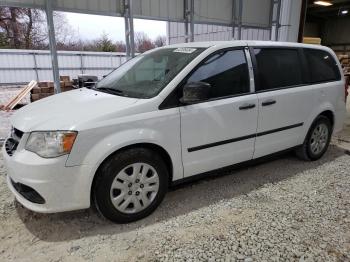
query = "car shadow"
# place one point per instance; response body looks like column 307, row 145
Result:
column 180, row 200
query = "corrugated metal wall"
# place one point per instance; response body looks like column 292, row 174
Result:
column 21, row 66
column 290, row 19
column 204, row 32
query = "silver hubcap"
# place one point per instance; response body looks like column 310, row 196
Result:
column 319, row 138
column 134, row 188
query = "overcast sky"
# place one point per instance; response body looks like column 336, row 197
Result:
column 92, row 26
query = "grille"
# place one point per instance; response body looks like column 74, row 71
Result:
column 13, row 141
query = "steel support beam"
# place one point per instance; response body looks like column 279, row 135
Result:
column 275, row 19
column 278, row 16
column 302, row 20
column 189, row 20
column 240, row 14
column 271, row 18
column 127, row 39
column 186, row 18
column 233, row 18
column 192, row 20
column 36, row 67
column 52, row 44
column 129, row 28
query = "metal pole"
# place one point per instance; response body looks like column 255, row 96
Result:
column 240, row 19
column 36, row 67
column 81, row 64
column 168, row 33
column 52, row 44
column 278, row 25
column 131, row 29
column 233, row 18
column 302, row 21
column 186, row 20
column 271, row 18
column 192, row 21
column 127, row 42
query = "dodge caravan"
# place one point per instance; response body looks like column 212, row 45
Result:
column 170, row 114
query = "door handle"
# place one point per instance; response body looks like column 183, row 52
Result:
column 246, row 106
column 268, row 102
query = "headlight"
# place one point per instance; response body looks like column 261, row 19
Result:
column 50, row 144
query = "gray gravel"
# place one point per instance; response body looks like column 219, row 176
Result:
column 280, row 210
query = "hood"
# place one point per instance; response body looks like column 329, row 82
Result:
column 66, row 111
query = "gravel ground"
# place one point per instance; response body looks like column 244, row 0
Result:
column 280, row 210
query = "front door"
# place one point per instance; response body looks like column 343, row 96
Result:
column 220, row 131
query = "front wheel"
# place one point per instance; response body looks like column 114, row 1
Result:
column 130, row 185
column 317, row 140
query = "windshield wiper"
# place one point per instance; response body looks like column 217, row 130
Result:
column 110, row 90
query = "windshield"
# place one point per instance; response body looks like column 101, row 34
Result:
column 146, row 75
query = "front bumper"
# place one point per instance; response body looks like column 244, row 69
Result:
column 62, row 188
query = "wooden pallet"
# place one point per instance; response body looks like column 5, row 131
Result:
column 11, row 104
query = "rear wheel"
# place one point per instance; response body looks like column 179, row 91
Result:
column 130, row 185
column 317, row 140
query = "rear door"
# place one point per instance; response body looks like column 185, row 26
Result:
column 220, row 131
column 285, row 102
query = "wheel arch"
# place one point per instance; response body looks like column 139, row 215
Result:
column 151, row 146
column 329, row 114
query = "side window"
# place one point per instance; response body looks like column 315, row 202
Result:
column 226, row 72
column 278, row 68
column 321, row 65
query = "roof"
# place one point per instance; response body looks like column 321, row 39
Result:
column 244, row 43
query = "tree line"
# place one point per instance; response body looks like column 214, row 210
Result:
column 25, row 28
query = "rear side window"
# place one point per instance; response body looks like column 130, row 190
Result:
column 278, row 68
column 321, row 65
column 226, row 72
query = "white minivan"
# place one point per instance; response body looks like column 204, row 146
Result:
column 169, row 114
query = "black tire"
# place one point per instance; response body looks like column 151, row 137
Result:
column 109, row 170
column 304, row 152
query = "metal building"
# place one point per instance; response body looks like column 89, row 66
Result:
column 199, row 19
column 283, row 26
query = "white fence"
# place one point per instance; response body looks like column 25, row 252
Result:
column 22, row 66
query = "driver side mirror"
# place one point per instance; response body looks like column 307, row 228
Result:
column 195, row 92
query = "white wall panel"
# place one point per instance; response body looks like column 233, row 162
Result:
column 290, row 18
column 289, row 21
column 256, row 12
column 68, row 61
column 209, row 11
column 204, row 32
column 23, row 3
column 161, row 9
column 42, row 60
column 43, row 75
column 90, row 6
column 18, row 66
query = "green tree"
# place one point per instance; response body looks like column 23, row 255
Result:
column 104, row 44
column 3, row 41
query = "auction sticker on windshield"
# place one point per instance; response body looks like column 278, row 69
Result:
column 185, row 50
